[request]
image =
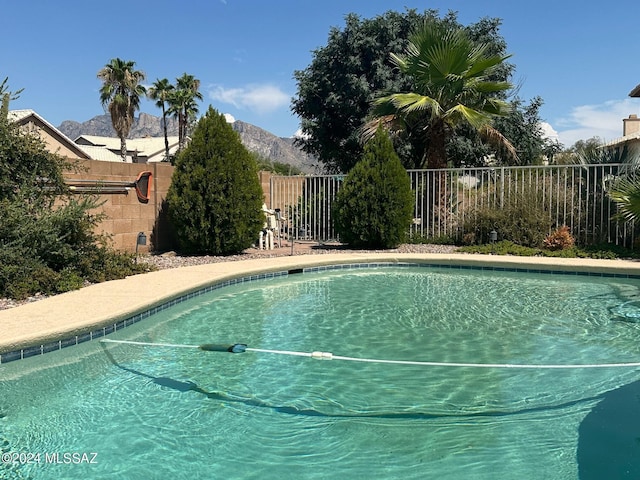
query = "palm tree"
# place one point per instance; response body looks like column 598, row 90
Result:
column 182, row 104
column 160, row 91
column 120, row 94
column 625, row 192
column 452, row 82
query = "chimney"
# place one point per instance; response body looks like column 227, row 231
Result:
column 630, row 125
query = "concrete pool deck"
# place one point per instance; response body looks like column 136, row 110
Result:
column 74, row 313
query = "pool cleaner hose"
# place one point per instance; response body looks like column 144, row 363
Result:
column 215, row 347
column 241, row 348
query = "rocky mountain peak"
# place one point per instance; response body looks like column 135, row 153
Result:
column 255, row 139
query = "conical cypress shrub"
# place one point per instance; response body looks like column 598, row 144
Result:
column 374, row 207
column 215, row 197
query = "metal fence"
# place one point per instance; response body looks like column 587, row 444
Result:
column 447, row 202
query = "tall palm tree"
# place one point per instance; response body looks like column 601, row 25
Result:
column 120, row 94
column 161, row 91
column 452, row 86
column 182, row 104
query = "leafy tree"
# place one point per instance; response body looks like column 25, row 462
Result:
column 161, row 91
column 591, row 152
column 277, row 168
column 451, row 85
column 25, row 165
column 523, row 127
column 183, row 106
column 215, row 197
column 120, row 95
column 374, row 206
column 5, row 97
column 336, row 90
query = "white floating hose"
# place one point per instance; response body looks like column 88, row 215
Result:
column 241, row 348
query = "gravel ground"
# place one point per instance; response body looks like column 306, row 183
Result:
column 170, row 260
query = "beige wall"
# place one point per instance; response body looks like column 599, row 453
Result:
column 52, row 141
column 126, row 215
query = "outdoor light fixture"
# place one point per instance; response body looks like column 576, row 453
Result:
column 494, row 236
column 141, row 240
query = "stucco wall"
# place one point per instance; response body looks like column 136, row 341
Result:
column 51, row 139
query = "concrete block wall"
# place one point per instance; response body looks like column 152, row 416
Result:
column 126, row 216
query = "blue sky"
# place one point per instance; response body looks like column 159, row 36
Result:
column 582, row 59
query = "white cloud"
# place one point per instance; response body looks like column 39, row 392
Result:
column 603, row 121
column 229, row 118
column 258, row 98
column 548, row 131
column 299, row 134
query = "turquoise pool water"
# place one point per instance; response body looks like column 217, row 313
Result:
column 122, row 411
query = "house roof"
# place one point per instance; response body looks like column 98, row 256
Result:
column 22, row 117
column 100, row 153
column 622, row 140
column 145, row 147
column 17, row 115
column 635, row 92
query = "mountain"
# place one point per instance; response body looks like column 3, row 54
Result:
column 255, row 139
column 144, row 126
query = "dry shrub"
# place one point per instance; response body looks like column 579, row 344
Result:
column 559, row 239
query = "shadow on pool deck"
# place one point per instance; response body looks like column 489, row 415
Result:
column 609, row 437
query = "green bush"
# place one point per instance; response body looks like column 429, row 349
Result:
column 604, row 251
column 215, row 197
column 522, row 219
column 48, row 242
column 54, row 250
column 374, row 207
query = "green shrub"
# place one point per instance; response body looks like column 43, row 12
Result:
column 603, row 251
column 215, row 198
column 54, row 251
column 522, row 219
column 504, row 247
column 374, row 207
column 48, row 242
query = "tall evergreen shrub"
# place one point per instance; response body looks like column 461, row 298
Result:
column 374, row 207
column 215, row 197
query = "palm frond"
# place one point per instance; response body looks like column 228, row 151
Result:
column 391, row 123
column 494, row 138
column 625, row 192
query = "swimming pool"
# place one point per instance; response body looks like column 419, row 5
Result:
column 157, row 412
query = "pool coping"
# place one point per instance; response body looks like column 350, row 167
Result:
column 94, row 311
